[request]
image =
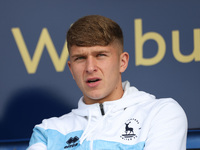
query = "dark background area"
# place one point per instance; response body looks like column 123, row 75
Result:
column 26, row 99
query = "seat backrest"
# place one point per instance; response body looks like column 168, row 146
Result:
column 193, row 140
column 18, row 144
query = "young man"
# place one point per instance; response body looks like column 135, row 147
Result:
column 111, row 115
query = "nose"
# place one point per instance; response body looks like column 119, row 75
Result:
column 91, row 65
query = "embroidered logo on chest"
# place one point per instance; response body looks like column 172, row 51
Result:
column 72, row 142
column 131, row 129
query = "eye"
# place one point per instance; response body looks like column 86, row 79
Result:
column 79, row 58
column 101, row 55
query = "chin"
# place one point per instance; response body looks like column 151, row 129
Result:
column 96, row 97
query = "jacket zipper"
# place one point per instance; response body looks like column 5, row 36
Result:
column 102, row 109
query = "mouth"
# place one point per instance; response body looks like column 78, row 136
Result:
column 93, row 82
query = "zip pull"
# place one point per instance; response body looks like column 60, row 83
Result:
column 101, row 108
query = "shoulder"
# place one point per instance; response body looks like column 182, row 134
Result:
column 48, row 128
column 168, row 105
column 168, row 125
column 55, row 123
column 168, row 110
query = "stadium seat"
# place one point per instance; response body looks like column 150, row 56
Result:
column 193, row 140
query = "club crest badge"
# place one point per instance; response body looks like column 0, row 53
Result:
column 131, row 129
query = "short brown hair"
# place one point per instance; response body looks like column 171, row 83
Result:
column 94, row 30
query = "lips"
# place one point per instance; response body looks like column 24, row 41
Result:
column 93, row 82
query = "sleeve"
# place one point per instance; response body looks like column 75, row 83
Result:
column 38, row 139
column 168, row 128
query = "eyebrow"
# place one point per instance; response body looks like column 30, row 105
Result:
column 93, row 53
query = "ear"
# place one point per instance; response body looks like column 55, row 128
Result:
column 69, row 65
column 124, row 58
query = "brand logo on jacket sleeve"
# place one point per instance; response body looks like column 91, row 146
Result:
column 131, row 129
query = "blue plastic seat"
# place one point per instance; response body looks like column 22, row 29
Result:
column 193, row 140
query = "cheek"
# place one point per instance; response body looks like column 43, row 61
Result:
column 77, row 75
column 76, row 72
column 114, row 64
column 112, row 68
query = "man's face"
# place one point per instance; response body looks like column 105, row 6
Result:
column 97, row 71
